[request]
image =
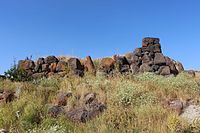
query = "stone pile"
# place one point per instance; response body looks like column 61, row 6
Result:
column 89, row 109
column 148, row 58
column 7, row 96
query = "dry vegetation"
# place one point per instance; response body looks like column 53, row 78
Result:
column 133, row 104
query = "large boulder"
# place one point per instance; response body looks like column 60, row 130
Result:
column 50, row 59
column 145, row 68
column 78, row 115
column 75, row 66
column 150, row 41
column 164, row 70
column 179, row 66
column 170, row 63
column 134, row 68
column 55, row 111
column 38, row 66
column 156, row 48
column 146, row 59
column 89, row 97
column 138, row 52
column 52, row 67
column 159, row 59
column 121, row 63
column 89, row 65
column 61, row 66
column 107, row 65
column 26, row 65
column 7, row 96
column 61, row 99
column 45, row 68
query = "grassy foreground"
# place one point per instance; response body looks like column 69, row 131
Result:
column 133, row 104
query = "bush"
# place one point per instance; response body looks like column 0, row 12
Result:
column 16, row 74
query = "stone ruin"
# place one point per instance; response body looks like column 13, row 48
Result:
column 148, row 58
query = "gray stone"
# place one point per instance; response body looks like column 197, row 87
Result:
column 121, row 64
column 61, row 66
column 55, row 111
column 134, row 68
column 50, row 59
column 159, row 59
column 138, row 52
column 146, row 59
column 45, row 68
column 150, row 41
column 170, row 63
column 179, row 67
column 89, row 97
column 26, row 65
column 78, row 115
column 145, row 68
column 164, row 70
column 191, row 113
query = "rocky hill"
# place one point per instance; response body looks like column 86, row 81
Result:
column 142, row 91
column 148, row 58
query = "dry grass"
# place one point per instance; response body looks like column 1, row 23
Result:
column 133, row 104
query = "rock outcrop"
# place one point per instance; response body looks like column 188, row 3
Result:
column 148, row 58
column 88, row 110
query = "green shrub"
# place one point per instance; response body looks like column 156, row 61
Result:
column 16, row 74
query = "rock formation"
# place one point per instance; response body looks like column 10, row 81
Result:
column 148, row 58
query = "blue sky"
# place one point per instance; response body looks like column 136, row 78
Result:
column 98, row 28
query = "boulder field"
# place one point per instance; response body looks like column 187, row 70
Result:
column 148, row 58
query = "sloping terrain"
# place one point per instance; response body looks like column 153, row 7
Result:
column 131, row 103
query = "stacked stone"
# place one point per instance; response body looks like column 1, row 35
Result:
column 50, row 65
column 149, row 58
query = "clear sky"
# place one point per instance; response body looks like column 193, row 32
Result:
column 98, row 28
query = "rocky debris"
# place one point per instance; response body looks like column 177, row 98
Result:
column 89, row 97
column 78, row 115
column 89, row 65
column 75, row 66
column 61, row 99
column 55, row 111
column 191, row 73
column 7, row 96
column 107, row 65
column 191, row 113
column 177, row 105
column 89, row 109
